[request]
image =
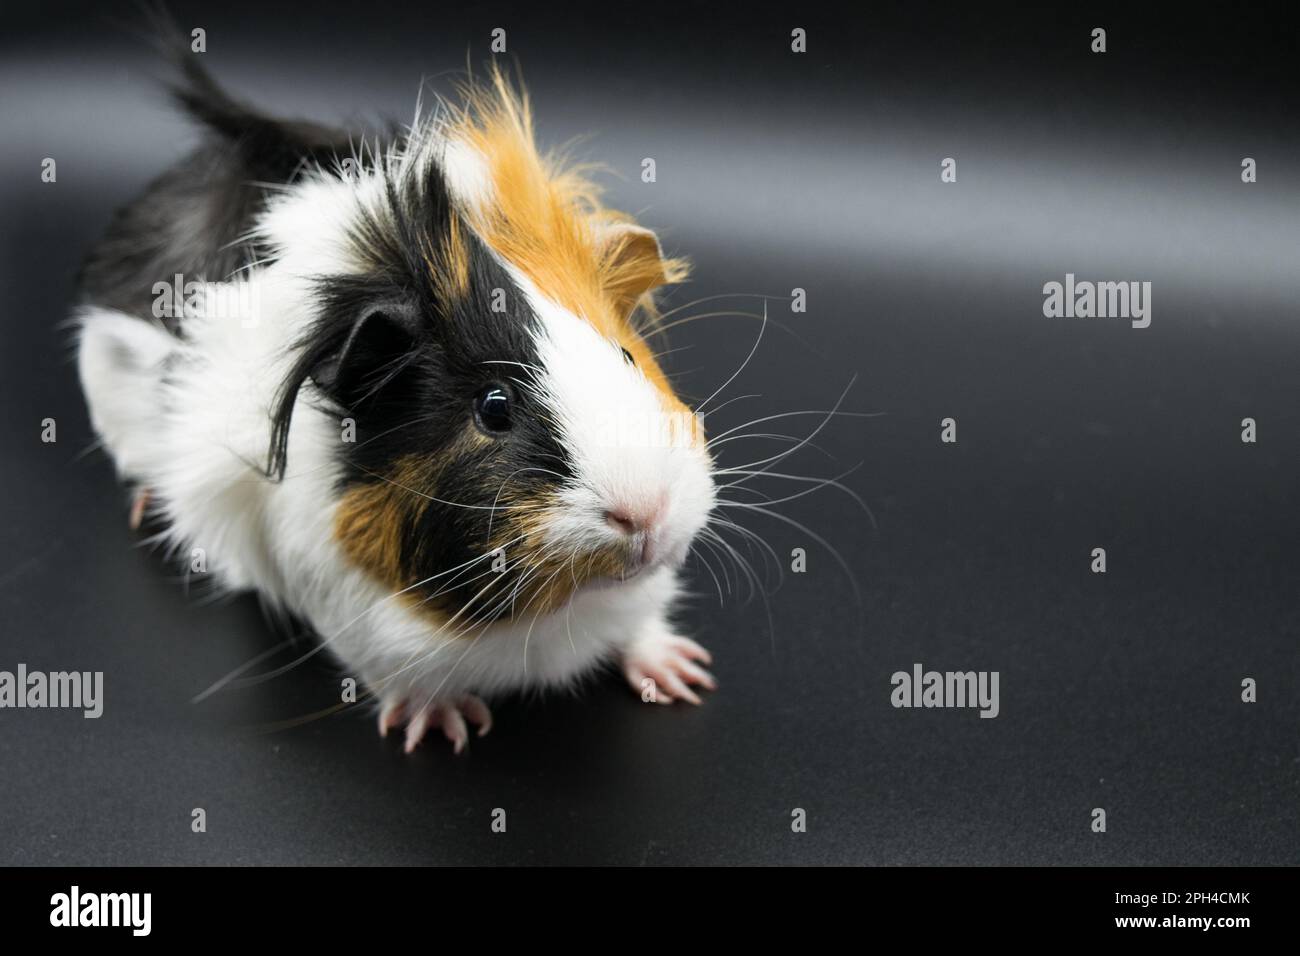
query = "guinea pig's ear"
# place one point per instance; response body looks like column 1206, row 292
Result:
column 633, row 263
column 356, row 348
column 366, row 354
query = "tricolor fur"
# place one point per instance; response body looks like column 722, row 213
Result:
column 321, row 442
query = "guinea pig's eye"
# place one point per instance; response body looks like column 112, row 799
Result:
column 492, row 409
column 627, row 357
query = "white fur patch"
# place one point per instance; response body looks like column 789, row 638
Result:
column 466, row 174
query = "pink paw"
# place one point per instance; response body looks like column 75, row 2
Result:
column 451, row 716
column 662, row 668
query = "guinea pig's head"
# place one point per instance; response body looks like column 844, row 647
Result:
column 515, row 437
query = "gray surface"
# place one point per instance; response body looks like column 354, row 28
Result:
column 1119, row 691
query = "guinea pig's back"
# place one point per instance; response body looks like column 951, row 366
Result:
column 194, row 220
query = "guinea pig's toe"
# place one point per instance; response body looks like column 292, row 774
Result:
column 477, row 712
column 390, row 715
column 692, row 651
column 452, row 722
column 455, row 718
column 139, row 506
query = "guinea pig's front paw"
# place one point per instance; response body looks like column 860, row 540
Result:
column 449, row 715
column 661, row 667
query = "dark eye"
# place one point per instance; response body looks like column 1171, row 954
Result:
column 627, row 357
column 492, row 409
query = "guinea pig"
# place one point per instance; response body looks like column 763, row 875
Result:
column 402, row 390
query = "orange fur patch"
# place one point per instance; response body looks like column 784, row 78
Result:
column 368, row 521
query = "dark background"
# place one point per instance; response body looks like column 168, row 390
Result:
column 774, row 171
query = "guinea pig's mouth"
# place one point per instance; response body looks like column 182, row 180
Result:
column 624, row 568
column 602, row 582
column 638, row 555
column 620, row 551
column 637, row 558
column 632, row 571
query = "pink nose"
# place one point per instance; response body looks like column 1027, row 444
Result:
column 621, row 519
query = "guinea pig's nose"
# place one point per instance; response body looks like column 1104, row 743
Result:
column 621, row 519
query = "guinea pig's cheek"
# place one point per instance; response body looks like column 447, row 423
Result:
column 694, row 498
column 372, row 522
